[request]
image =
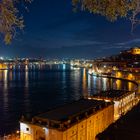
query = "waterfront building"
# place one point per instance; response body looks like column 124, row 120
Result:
column 3, row 66
column 80, row 120
column 123, row 100
column 126, row 60
column 134, row 51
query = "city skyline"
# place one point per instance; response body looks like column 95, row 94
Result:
column 53, row 30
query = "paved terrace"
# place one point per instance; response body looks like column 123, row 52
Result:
column 65, row 116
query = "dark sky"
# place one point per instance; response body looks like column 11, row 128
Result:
column 53, row 30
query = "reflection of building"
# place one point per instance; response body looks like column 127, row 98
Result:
column 80, row 120
column 123, row 100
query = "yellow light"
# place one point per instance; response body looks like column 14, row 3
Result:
column 130, row 76
column 107, row 100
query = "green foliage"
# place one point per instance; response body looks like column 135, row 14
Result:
column 111, row 9
column 10, row 19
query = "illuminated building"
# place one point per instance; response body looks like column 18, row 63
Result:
column 123, row 100
column 3, row 66
column 80, row 120
column 135, row 51
column 126, row 60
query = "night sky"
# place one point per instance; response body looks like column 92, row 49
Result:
column 53, row 30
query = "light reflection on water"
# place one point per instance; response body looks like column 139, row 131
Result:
column 31, row 92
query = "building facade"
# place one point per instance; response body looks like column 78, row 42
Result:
column 123, row 104
column 135, row 51
column 123, row 101
column 82, row 120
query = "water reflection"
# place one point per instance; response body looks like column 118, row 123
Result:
column 26, row 77
column 118, row 84
column 104, row 83
column 84, row 81
column 10, row 75
column 100, row 83
column 26, row 91
column 18, row 72
column 5, row 92
column 5, row 79
column 75, row 78
column 89, row 82
column 130, row 86
column 79, row 78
